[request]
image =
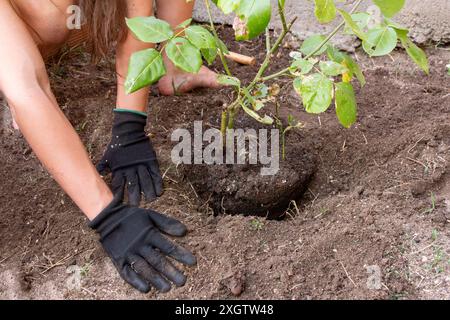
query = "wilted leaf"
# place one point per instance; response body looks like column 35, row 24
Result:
column 228, row 81
column 255, row 16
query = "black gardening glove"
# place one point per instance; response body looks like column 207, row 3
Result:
column 133, row 240
column 131, row 158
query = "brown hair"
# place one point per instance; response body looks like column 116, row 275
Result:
column 105, row 21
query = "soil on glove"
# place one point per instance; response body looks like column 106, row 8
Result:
column 372, row 222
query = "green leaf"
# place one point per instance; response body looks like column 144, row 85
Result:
column 340, row 57
column 311, row 44
column 150, row 29
column 396, row 25
column 255, row 16
column 184, row 55
column 146, row 67
column 317, row 92
column 416, row 54
column 297, row 85
column 184, row 24
column 305, row 66
column 228, row 6
column 331, row 68
column 346, row 109
column 228, row 81
column 209, row 55
column 264, row 120
column 380, row 41
column 352, row 24
column 354, row 68
column 325, row 10
column 389, row 8
column 200, row 37
column 222, row 46
column 362, row 19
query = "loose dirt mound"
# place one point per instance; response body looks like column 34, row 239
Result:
column 378, row 204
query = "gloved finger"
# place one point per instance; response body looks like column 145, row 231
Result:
column 167, row 224
column 130, row 276
column 118, row 183
column 103, row 166
column 146, row 183
column 147, row 272
column 156, row 177
column 170, row 249
column 133, row 188
column 163, row 266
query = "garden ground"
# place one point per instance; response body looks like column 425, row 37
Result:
column 379, row 199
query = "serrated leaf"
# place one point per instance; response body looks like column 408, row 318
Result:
column 312, row 43
column 150, row 29
column 331, row 68
column 228, row 6
column 325, row 10
column 316, row 92
column 352, row 25
column 184, row 55
column 200, row 37
column 380, row 41
column 255, row 15
column 416, row 54
column 346, row 109
column 228, row 81
column 146, row 67
column 389, row 8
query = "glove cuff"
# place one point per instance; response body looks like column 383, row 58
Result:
column 99, row 222
column 120, row 110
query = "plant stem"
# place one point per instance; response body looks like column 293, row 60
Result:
column 324, row 42
column 223, row 122
column 282, row 16
column 269, row 54
column 213, row 28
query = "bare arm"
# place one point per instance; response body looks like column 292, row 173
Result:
column 24, row 82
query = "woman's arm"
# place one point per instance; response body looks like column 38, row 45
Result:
column 137, row 101
column 25, row 84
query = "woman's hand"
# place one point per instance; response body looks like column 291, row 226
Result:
column 131, row 158
column 133, row 240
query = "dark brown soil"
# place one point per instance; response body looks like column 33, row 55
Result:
column 380, row 195
column 242, row 189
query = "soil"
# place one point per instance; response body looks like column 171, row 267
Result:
column 378, row 202
column 242, row 188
